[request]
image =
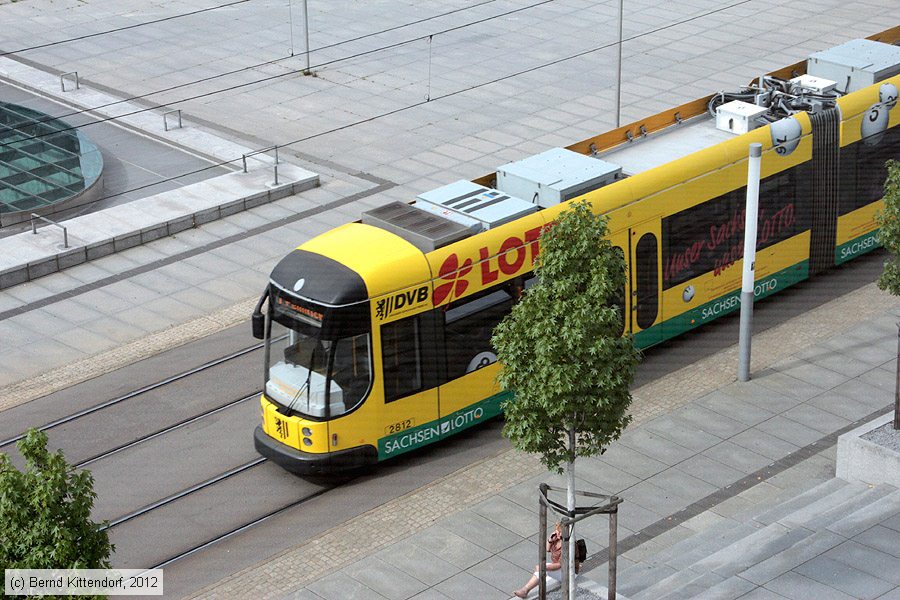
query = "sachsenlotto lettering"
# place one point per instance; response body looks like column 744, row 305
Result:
column 729, row 303
column 417, row 437
column 859, row 246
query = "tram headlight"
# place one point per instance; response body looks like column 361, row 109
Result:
column 307, row 441
column 307, row 431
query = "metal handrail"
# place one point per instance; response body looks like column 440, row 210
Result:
column 260, row 151
column 34, row 227
column 166, row 121
column 62, row 81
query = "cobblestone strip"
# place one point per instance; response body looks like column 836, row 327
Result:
column 24, row 391
column 363, row 535
column 395, row 520
column 769, row 347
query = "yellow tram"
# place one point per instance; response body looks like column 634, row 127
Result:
column 378, row 332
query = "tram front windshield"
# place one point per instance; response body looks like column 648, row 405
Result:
column 316, row 377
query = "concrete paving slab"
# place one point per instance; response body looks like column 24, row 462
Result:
column 655, row 446
column 764, row 444
column 464, row 586
column 385, row 579
column 868, row 560
column 844, row 577
column 816, row 418
column 451, row 547
column 880, row 538
column 340, row 586
column 711, row 471
column 737, row 456
column 416, row 562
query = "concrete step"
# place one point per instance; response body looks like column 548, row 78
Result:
column 799, row 501
column 724, row 563
column 683, row 581
column 868, row 516
column 685, row 552
column 789, row 558
column 866, row 498
column 830, row 503
column 796, row 532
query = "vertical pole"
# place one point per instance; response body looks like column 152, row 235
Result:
column 897, row 386
column 619, row 74
column 291, row 24
column 306, row 33
column 542, row 545
column 565, row 559
column 569, row 564
column 749, row 280
column 613, row 552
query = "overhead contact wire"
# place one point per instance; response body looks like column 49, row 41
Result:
column 424, row 102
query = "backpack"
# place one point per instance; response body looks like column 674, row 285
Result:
column 580, row 551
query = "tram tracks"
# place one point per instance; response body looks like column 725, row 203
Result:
column 244, row 527
column 135, row 393
column 191, row 457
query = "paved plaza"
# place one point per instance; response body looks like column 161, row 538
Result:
column 729, row 488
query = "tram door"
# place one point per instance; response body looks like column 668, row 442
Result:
column 623, row 296
column 407, row 362
column 643, row 281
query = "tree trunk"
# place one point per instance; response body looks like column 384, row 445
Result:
column 570, row 504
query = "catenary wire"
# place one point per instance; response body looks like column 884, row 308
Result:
column 251, row 67
column 125, row 28
column 273, row 77
column 423, row 102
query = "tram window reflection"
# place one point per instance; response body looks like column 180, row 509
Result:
column 469, row 325
column 302, row 381
column 401, row 357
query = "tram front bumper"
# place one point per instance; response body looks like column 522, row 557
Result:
column 306, row 463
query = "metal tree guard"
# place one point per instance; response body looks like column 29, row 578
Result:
column 610, row 506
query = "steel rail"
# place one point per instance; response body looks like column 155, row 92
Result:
column 132, row 394
column 185, row 492
column 165, row 430
column 241, row 528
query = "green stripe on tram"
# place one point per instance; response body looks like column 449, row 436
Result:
column 724, row 305
column 860, row 245
column 416, row 437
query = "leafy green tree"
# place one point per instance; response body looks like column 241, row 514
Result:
column 889, row 221
column 45, row 512
column 563, row 353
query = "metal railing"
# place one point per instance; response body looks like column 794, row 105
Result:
column 62, row 80
column 166, row 119
column 45, row 219
column 262, row 151
column 609, row 506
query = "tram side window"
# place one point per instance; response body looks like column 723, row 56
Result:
column 646, row 285
column 710, row 236
column 469, row 325
column 863, row 169
column 401, row 357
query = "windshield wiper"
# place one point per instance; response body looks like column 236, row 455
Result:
column 305, row 386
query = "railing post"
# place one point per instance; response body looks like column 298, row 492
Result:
column 613, row 553
column 62, row 81
column 34, row 227
column 897, row 385
column 166, row 121
column 542, row 543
